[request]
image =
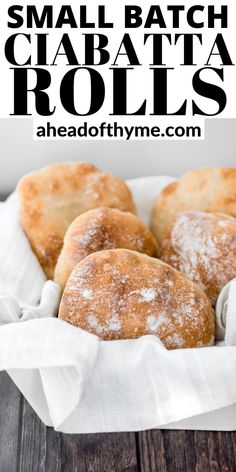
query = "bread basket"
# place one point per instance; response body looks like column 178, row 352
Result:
column 79, row 384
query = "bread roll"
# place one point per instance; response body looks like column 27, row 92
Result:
column 203, row 246
column 102, row 228
column 209, row 189
column 52, row 197
column 122, row 294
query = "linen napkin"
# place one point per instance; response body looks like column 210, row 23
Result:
column 226, row 315
column 79, row 384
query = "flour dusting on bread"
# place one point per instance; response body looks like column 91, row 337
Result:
column 102, row 229
column 203, row 246
column 206, row 189
column 132, row 296
column 51, row 198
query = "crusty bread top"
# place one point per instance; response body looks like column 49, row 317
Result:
column 120, row 294
column 206, row 189
column 99, row 229
column 203, row 246
column 52, row 197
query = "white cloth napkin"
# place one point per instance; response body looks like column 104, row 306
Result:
column 11, row 311
column 226, row 315
column 79, row 384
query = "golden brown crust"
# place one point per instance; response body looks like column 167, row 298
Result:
column 207, row 189
column 122, row 294
column 99, row 229
column 52, row 197
column 203, row 246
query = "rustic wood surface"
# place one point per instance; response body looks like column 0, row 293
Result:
column 26, row 445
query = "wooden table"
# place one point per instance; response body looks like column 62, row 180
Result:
column 26, row 445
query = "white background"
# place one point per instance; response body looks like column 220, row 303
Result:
column 20, row 154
